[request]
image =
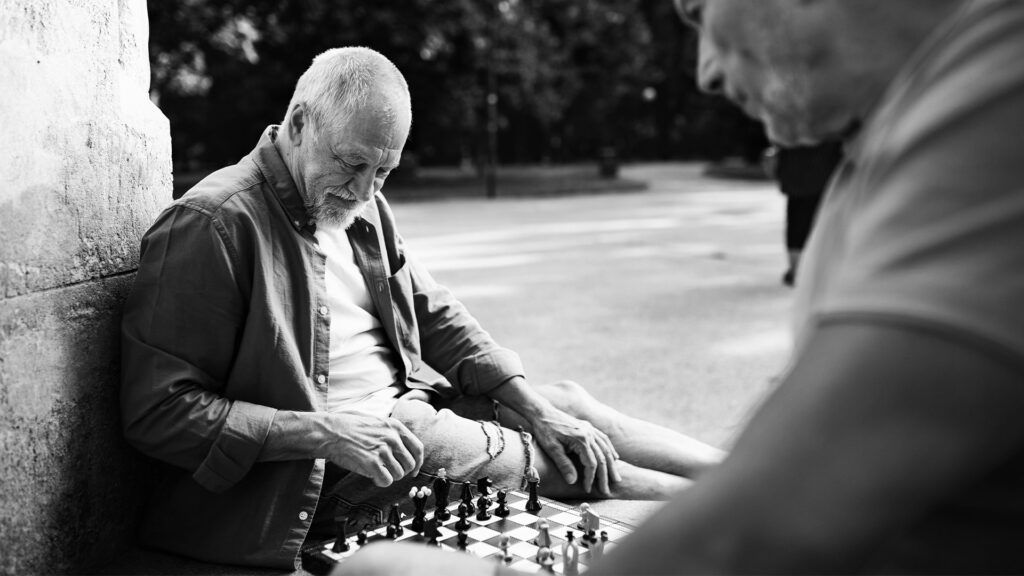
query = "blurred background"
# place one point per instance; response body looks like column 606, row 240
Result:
column 513, row 82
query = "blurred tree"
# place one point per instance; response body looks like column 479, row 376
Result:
column 571, row 76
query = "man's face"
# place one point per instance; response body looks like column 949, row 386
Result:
column 344, row 165
column 781, row 62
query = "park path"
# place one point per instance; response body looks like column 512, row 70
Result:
column 665, row 303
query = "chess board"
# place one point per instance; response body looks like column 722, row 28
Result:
column 483, row 535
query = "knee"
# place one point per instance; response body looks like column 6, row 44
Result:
column 570, row 397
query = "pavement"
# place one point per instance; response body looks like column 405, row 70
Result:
column 665, row 303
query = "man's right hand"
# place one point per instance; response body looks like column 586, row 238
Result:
column 381, row 449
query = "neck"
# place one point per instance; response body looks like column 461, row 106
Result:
column 289, row 154
column 886, row 35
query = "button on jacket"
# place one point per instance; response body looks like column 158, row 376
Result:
column 223, row 328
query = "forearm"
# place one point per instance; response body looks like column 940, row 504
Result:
column 518, row 395
column 296, row 436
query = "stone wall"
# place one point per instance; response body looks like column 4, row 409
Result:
column 85, row 166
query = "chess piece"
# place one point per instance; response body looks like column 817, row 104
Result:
column 570, row 556
column 589, row 520
column 462, row 524
column 441, row 489
column 597, row 547
column 482, row 505
column 532, row 480
column 361, row 536
column 467, row 497
column 502, row 510
column 589, row 539
column 460, row 540
column 543, row 539
column 419, row 500
column 395, row 522
column 341, row 539
column 431, row 532
column 483, row 486
column 503, row 542
column 546, row 559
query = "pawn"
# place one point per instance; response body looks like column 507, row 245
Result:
column 341, row 539
column 462, row 524
column 467, row 497
column 546, row 559
column 503, row 542
column 431, row 532
column 502, row 510
column 543, row 539
column 460, row 540
column 361, row 536
column 482, row 505
column 395, row 522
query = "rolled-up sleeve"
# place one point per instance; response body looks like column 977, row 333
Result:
column 181, row 327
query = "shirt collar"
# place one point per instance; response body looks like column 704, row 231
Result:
column 269, row 160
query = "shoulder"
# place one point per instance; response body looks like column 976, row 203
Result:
column 227, row 193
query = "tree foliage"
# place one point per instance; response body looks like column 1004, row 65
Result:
column 571, row 76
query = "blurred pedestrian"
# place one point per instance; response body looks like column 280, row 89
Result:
column 803, row 172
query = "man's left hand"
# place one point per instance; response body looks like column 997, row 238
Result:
column 558, row 434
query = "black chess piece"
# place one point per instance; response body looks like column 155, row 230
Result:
column 419, row 500
column 441, row 490
column 532, row 480
column 462, row 524
column 467, row 497
column 461, row 539
column 361, row 537
column 395, row 522
column 502, row 510
column 482, row 505
column 431, row 532
column 341, row 538
column 483, row 486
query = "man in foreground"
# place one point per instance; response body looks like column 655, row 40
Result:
column 274, row 340
column 895, row 443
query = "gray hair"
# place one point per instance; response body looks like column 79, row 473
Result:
column 342, row 80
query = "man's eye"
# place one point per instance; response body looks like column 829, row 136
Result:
column 383, row 172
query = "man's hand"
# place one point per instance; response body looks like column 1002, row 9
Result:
column 381, row 449
column 559, row 434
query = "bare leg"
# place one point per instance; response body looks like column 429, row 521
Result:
column 636, row 484
column 643, row 444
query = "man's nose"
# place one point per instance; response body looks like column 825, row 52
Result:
column 362, row 185
column 709, row 72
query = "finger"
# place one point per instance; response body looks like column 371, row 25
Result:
column 601, row 476
column 556, row 452
column 589, row 460
column 391, row 464
column 379, row 474
column 611, row 456
column 412, row 444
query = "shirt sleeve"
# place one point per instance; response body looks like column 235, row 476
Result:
column 180, row 328
column 938, row 237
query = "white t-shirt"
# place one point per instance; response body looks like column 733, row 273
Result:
column 362, row 369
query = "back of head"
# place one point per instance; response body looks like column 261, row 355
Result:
column 342, row 80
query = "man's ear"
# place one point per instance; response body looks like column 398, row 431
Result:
column 296, row 124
